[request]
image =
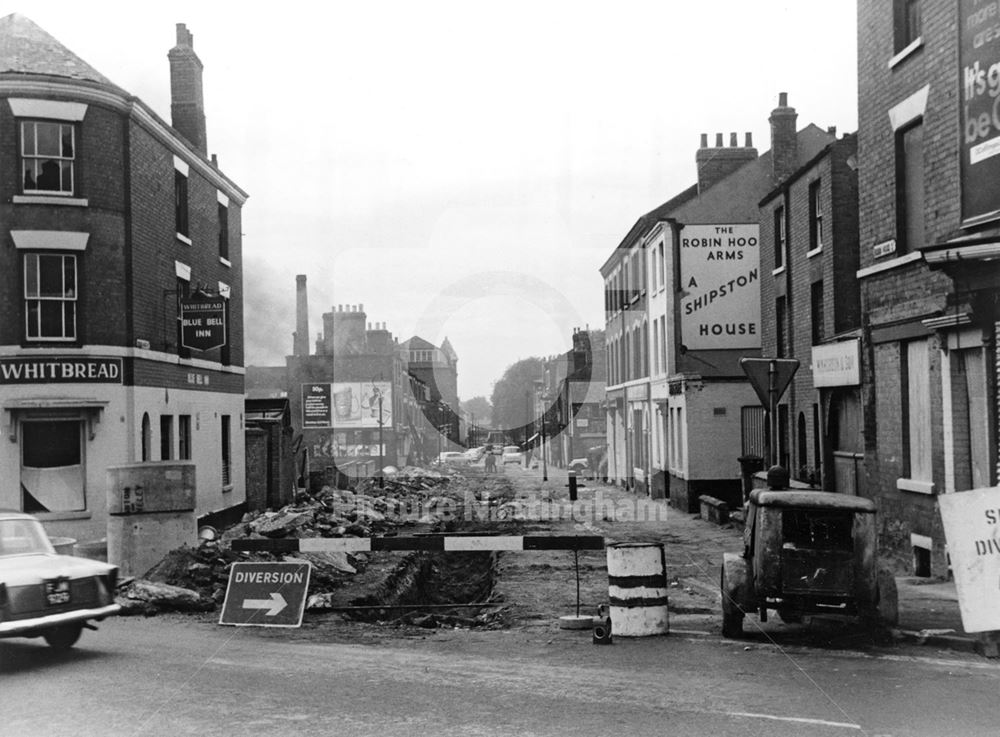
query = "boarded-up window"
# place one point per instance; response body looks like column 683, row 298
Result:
column 918, row 410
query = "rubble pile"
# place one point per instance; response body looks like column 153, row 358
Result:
column 195, row 579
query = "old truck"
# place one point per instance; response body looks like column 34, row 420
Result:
column 807, row 553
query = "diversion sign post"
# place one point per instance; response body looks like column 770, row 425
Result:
column 266, row 594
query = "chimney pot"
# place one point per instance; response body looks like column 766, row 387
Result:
column 732, row 139
column 361, row 308
column 782, row 99
column 832, row 130
column 718, row 140
column 369, row 326
column 704, row 140
column 749, row 138
column 187, row 101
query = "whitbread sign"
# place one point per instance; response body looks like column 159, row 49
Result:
column 972, row 528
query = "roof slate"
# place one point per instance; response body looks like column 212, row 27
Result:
column 25, row 48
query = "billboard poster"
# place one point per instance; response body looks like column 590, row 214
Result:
column 350, row 404
column 720, row 286
column 316, row 405
column 979, row 77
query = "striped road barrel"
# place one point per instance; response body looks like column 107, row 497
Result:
column 637, row 589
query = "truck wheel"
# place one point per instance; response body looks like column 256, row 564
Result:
column 732, row 615
column 63, row 637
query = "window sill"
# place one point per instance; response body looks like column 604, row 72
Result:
column 891, row 264
column 227, row 489
column 815, row 252
column 225, row 262
column 184, row 239
column 32, row 199
column 57, row 516
column 777, row 272
column 917, row 487
column 898, row 58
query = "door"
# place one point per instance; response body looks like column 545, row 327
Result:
column 846, row 442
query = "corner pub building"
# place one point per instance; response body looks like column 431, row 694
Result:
column 109, row 218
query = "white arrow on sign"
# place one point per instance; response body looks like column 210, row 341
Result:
column 273, row 605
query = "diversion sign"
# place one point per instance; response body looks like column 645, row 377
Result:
column 972, row 528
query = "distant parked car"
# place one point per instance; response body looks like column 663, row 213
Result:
column 511, row 454
column 43, row 594
column 452, row 456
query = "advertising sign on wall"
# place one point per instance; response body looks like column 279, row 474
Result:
column 60, row 370
column 203, row 323
column 979, row 77
column 720, row 283
column 837, row 364
column 347, row 404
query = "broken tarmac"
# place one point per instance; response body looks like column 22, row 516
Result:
column 531, row 590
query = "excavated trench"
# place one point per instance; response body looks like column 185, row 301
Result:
column 432, row 589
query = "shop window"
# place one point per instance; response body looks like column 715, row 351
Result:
column 52, row 478
column 50, row 296
column 48, row 156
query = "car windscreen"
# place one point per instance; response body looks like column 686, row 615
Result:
column 22, row 537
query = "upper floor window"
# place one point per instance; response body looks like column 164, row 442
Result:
column 815, row 217
column 779, row 237
column 781, row 326
column 50, row 296
column 48, row 155
column 910, row 187
column 223, row 210
column 817, row 311
column 906, row 23
column 181, row 203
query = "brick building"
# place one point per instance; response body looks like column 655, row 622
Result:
column 682, row 299
column 811, row 311
column 112, row 218
column 334, row 394
column 929, row 234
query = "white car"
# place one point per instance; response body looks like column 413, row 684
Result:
column 511, row 454
column 43, row 594
column 452, row 456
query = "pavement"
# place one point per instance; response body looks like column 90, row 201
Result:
column 928, row 608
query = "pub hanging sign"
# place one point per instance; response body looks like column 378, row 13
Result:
column 203, row 322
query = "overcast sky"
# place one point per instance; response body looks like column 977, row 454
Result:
column 461, row 168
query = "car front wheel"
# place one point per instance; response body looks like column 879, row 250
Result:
column 63, row 637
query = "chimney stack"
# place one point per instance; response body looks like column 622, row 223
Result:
column 784, row 142
column 300, row 341
column 715, row 164
column 187, row 102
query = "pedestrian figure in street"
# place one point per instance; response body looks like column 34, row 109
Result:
column 491, row 462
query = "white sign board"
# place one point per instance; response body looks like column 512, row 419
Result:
column 972, row 528
column 837, row 364
column 720, row 283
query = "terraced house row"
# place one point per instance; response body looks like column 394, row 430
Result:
column 875, row 261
